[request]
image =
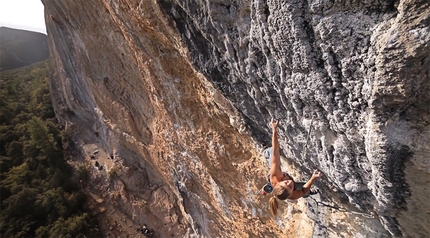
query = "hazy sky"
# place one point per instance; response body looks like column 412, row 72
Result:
column 23, row 14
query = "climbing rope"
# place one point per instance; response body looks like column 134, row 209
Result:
column 341, row 209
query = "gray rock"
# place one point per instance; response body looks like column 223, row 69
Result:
column 170, row 82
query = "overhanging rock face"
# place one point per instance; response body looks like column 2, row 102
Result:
column 177, row 94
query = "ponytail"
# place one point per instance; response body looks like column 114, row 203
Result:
column 280, row 193
column 273, row 205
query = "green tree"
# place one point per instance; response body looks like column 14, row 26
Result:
column 40, row 196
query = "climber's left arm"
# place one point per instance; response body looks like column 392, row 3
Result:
column 307, row 187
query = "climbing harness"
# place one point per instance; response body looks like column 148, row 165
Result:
column 267, row 188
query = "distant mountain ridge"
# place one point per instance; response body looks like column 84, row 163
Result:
column 20, row 48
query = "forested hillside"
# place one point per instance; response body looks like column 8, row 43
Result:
column 19, row 48
column 40, row 196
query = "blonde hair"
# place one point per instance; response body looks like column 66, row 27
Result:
column 280, row 193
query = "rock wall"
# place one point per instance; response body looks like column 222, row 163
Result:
column 172, row 99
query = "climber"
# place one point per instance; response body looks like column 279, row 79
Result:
column 283, row 186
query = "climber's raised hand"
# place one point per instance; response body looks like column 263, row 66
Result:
column 317, row 174
column 274, row 124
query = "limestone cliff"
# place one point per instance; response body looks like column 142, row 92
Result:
column 172, row 98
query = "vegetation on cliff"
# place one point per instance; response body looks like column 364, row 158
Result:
column 40, row 197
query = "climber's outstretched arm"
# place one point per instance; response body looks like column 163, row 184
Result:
column 307, row 187
column 275, row 169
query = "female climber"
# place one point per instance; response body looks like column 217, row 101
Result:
column 283, row 185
